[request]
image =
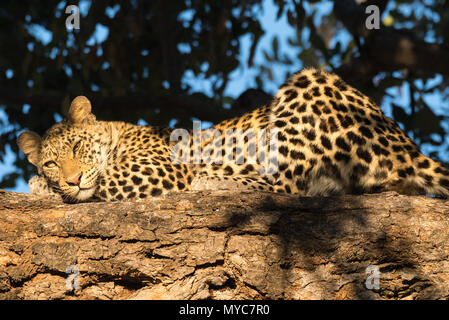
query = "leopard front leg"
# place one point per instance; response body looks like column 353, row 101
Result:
column 38, row 185
column 237, row 183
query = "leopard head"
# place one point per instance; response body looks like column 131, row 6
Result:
column 72, row 154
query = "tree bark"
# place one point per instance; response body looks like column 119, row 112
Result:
column 225, row 245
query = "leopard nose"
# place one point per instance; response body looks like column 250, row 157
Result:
column 75, row 180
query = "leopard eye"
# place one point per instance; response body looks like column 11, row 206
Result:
column 50, row 164
column 77, row 146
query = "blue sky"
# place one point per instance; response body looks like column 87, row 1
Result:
column 243, row 77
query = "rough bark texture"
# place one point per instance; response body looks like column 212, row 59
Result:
column 225, row 245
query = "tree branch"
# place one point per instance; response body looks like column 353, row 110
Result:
column 173, row 106
column 225, row 245
column 387, row 49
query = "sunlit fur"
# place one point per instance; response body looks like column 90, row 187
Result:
column 332, row 140
column 90, row 157
column 84, row 159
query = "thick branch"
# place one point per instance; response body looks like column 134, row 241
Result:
column 387, row 49
column 226, row 245
column 353, row 16
column 174, row 106
column 179, row 106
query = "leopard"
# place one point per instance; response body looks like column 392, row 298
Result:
column 319, row 136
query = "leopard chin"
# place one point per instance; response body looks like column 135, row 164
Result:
column 76, row 194
column 84, row 194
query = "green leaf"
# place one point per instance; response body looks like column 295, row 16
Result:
column 318, row 42
column 400, row 115
column 275, row 47
column 389, row 82
column 427, row 122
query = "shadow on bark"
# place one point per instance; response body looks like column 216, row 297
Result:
column 225, row 245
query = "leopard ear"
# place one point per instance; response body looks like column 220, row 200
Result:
column 30, row 143
column 81, row 111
